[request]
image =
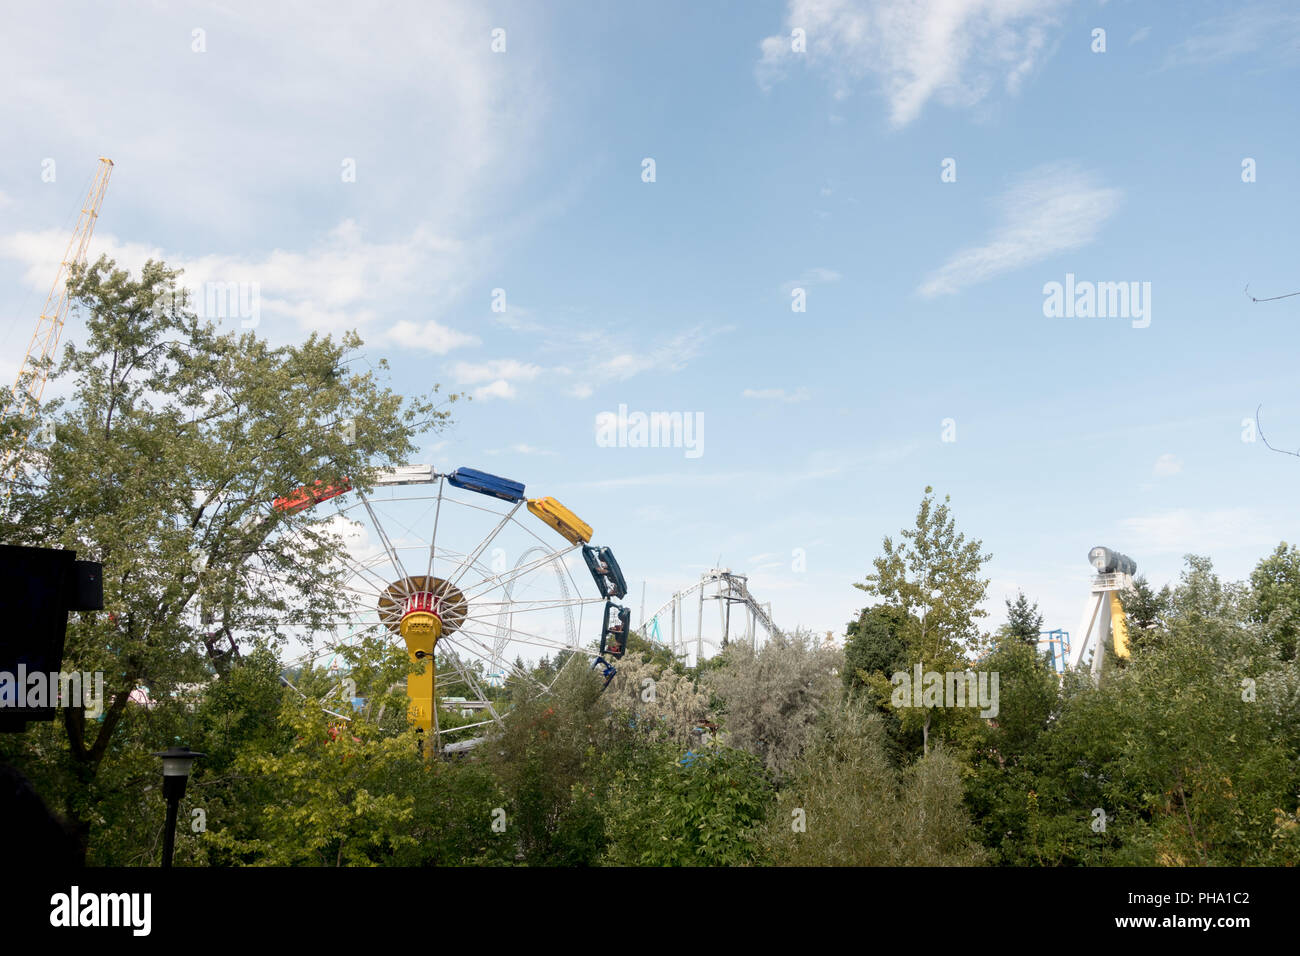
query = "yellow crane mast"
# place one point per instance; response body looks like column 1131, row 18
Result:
column 45, row 339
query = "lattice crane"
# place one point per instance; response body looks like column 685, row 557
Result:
column 30, row 385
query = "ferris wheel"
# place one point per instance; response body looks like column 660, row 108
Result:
column 476, row 582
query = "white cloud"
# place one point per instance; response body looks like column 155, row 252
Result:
column 1051, row 209
column 292, row 78
column 1189, row 531
column 954, row 50
column 471, row 373
column 1167, row 465
column 1139, row 35
column 4, row 199
column 498, row 389
column 430, row 337
column 339, row 282
column 500, row 376
column 776, row 394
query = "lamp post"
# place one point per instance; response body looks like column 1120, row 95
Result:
column 176, row 773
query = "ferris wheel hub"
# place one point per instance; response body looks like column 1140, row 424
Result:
column 422, row 608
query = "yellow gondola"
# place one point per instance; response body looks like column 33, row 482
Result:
column 573, row 528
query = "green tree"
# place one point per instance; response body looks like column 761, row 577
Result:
column 705, row 808
column 1145, row 610
column 848, row 806
column 1275, row 586
column 162, row 466
column 1023, row 621
column 873, row 644
column 933, row 577
column 1186, row 759
column 545, row 763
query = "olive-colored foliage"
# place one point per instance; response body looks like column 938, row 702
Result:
column 770, row 700
column 661, row 701
column 848, row 805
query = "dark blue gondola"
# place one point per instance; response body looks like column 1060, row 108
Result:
column 606, row 670
column 485, row 484
column 613, row 636
column 605, row 571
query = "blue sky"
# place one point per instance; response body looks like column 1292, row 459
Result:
column 775, row 170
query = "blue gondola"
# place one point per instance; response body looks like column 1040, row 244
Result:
column 613, row 636
column 485, row 484
column 605, row 571
column 606, row 669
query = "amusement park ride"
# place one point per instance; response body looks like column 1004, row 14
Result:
column 466, row 609
column 1103, row 616
column 730, row 590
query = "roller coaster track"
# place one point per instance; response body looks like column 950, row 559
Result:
column 730, row 590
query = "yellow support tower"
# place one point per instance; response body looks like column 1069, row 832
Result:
column 1118, row 627
column 49, row 327
column 421, row 610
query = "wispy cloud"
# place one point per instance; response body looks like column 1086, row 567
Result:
column 957, row 51
column 520, row 449
column 1052, row 209
column 617, row 363
column 1246, row 30
column 817, row 275
column 1167, row 465
column 316, row 89
column 776, row 394
column 1195, row 531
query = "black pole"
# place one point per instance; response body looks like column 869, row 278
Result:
column 176, row 773
column 169, row 832
column 173, row 790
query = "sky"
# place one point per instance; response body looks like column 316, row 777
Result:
column 825, row 231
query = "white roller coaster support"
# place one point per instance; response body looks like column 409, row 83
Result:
column 727, row 588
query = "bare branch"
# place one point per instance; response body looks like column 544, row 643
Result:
column 1272, row 298
column 1260, row 430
